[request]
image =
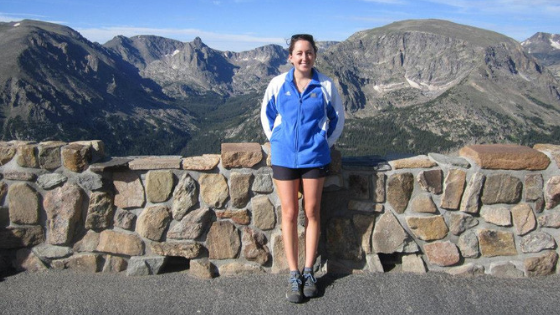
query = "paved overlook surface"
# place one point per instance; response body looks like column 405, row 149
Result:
column 68, row 292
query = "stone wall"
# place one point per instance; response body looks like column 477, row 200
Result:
column 493, row 209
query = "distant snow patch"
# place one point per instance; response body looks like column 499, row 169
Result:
column 16, row 25
column 555, row 44
column 413, row 84
column 176, row 52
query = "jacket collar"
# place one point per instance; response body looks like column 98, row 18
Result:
column 314, row 79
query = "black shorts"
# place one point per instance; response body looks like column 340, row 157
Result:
column 286, row 173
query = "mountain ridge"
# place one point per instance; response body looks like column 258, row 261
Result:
column 409, row 86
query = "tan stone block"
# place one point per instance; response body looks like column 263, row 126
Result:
column 100, row 211
column 454, row 186
column 399, row 191
column 50, row 157
column 468, row 244
column 552, row 192
column 124, row 219
column 185, row 197
column 206, row 162
column 88, row 243
column 20, row 176
column 343, row 241
column 237, row 268
column 241, row 154
column 413, row 263
column 524, row 219
column 120, row 243
column 76, row 157
column 156, row 163
column 496, row 243
column 202, row 269
column 85, row 262
column 547, row 147
column 443, row 254
column 460, row 222
column 423, row 203
column 188, row 250
column 428, row 228
column 266, row 149
column 556, row 156
column 379, row 180
column 7, row 152
column 471, row 198
column 26, row 155
column 223, row 241
column 64, row 211
column 241, row 217
column 505, row 270
column 239, row 188
column 114, row 264
column 506, row 157
column 21, row 236
column 534, row 185
column 159, row 185
column 390, row 237
column 543, row 265
column 501, row 188
column 468, row 270
column 129, row 192
column 214, row 190
column 96, row 148
column 153, row 222
column 431, row 181
column 23, row 204
column 254, row 248
column 191, row 226
column 26, row 260
column 500, row 216
column 264, row 216
column 550, row 219
column 421, row 161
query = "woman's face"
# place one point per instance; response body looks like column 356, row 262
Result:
column 303, row 56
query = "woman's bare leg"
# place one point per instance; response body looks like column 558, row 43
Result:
column 288, row 193
column 312, row 192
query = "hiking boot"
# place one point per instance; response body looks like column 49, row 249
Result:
column 293, row 294
column 309, row 285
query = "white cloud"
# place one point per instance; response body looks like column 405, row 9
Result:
column 11, row 17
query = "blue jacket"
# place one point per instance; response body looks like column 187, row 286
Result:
column 301, row 127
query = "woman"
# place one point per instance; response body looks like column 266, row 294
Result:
column 302, row 116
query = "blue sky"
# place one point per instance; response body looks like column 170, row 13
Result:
column 239, row 25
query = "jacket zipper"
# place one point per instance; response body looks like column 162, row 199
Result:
column 298, row 126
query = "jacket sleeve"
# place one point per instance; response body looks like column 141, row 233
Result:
column 268, row 111
column 335, row 114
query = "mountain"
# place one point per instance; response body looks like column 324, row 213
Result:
column 412, row 86
column 420, row 85
column 184, row 69
column 55, row 84
column 545, row 47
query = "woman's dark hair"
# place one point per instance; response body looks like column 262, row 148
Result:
column 306, row 37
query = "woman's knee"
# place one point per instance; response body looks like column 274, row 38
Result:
column 290, row 214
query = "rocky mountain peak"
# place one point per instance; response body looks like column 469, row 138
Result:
column 546, row 48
